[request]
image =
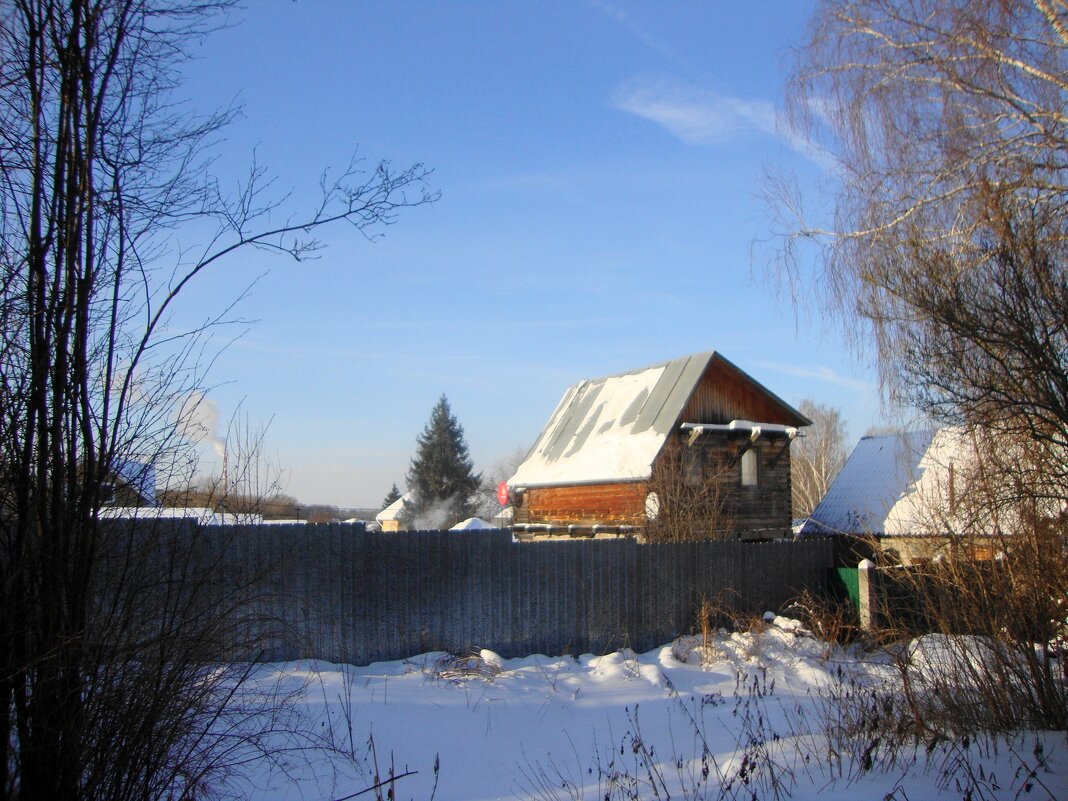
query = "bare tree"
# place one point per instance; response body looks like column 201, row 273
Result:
column 503, row 469
column 249, row 483
column 817, row 456
column 947, row 246
column 994, row 569
column 689, row 496
column 98, row 170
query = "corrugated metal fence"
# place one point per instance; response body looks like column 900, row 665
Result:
column 338, row 593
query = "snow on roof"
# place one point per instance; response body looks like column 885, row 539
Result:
column 894, row 484
column 139, row 476
column 925, row 507
column 612, row 429
column 504, row 517
column 392, row 512
column 756, row 429
column 472, row 524
column 203, row 515
column 600, row 430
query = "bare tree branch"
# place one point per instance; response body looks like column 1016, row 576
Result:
column 102, row 659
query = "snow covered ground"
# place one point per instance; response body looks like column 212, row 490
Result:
column 749, row 722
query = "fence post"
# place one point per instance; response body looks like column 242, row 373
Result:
column 866, row 579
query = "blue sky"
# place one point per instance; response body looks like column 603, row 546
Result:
column 600, row 165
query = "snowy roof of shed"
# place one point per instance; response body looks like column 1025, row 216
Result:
column 139, row 477
column 612, row 429
column 472, row 524
column 393, row 511
column 894, row 484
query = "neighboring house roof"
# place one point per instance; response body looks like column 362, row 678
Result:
column 203, row 515
column 138, row 477
column 895, row 484
column 612, row 429
column 393, row 511
column 504, row 517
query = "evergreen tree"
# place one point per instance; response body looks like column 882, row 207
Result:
column 391, row 497
column 441, row 477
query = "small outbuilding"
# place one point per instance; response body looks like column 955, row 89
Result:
column 627, row 452
column 132, row 484
column 901, row 491
column 391, row 518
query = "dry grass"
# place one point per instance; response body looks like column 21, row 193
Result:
column 457, row 668
column 834, row 622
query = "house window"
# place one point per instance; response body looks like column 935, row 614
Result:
column 749, row 468
column 693, row 467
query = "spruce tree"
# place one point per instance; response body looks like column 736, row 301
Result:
column 391, row 497
column 441, row 476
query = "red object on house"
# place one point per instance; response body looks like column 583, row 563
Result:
column 502, row 493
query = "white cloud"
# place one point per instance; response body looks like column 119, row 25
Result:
column 621, row 17
column 696, row 117
column 702, row 117
column 820, row 373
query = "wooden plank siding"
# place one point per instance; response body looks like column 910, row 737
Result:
column 766, row 506
column 725, row 393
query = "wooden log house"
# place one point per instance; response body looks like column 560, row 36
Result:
column 618, row 449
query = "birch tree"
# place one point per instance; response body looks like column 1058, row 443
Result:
column 946, row 248
column 816, row 457
column 946, row 244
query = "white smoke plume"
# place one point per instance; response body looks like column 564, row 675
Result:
column 198, row 421
column 439, row 515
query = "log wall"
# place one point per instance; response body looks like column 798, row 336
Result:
column 584, row 505
column 766, row 507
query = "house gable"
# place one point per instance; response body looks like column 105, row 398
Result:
column 390, row 517
column 726, row 393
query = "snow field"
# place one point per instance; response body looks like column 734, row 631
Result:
column 744, row 716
